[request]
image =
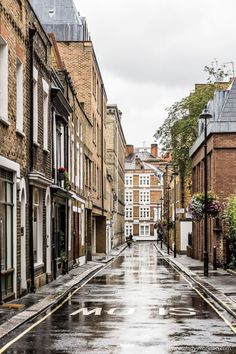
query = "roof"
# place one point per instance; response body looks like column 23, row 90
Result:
column 223, row 110
column 62, row 18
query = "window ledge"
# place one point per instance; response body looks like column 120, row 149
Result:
column 38, row 265
column 20, row 133
column 46, row 151
column 4, row 121
column 35, row 143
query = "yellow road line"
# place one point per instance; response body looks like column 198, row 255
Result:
column 205, row 299
column 6, row 346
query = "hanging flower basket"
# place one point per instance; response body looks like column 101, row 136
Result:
column 61, row 173
column 197, row 205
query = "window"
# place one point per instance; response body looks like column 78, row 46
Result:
column 19, row 96
column 81, row 168
column 129, row 212
column 128, row 229
column 72, row 159
column 37, row 227
column 6, row 230
column 77, row 180
column 3, row 80
column 45, row 114
column 144, row 213
column 144, row 197
column 128, row 197
column 144, row 180
column 144, row 230
column 129, row 180
column 35, row 105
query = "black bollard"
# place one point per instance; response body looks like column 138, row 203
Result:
column 214, row 258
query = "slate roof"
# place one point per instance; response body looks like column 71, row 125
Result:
column 61, row 18
column 223, row 110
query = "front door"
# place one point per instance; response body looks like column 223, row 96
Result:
column 76, row 234
column 59, row 239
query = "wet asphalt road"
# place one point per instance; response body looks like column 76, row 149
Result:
column 136, row 304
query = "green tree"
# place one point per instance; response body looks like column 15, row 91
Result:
column 179, row 130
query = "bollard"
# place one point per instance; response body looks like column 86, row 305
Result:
column 214, row 258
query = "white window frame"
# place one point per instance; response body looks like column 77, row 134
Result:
column 19, row 96
column 45, row 114
column 128, row 197
column 4, row 80
column 129, row 180
column 77, row 178
column 144, row 213
column 129, row 212
column 145, row 228
column 35, row 105
column 144, row 180
column 144, row 197
column 81, row 169
column 38, row 237
column 72, row 159
column 128, row 229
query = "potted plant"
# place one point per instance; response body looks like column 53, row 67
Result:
column 61, row 173
column 67, row 182
column 230, row 228
column 63, row 259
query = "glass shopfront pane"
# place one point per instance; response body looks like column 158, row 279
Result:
column 9, row 237
column 2, row 236
column 2, row 191
column 35, row 233
column 9, row 192
column 9, row 283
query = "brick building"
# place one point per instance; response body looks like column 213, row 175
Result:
column 221, row 152
column 25, row 159
column 115, row 161
column 76, row 50
column 143, row 191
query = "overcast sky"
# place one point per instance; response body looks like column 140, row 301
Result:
column 151, row 53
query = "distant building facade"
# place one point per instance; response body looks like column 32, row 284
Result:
column 143, row 191
column 115, row 160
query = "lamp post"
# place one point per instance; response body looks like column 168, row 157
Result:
column 161, row 201
column 175, row 174
column 205, row 116
column 168, row 219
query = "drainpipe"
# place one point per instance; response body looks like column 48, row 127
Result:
column 102, row 147
column 32, row 32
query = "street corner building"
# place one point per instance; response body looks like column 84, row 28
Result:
column 61, row 183
column 221, row 167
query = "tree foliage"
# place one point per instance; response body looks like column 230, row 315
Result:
column 218, row 73
column 179, row 130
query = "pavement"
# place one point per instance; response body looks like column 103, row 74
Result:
column 220, row 285
column 19, row 311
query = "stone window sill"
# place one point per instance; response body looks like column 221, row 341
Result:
column 20, row 133
column 4, row 121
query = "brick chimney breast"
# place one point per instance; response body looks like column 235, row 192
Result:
column 129, row 149
column 154, row 150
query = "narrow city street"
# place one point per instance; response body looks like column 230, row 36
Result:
column 138, row 302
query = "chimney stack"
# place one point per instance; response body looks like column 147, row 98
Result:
column 154, row 150
column 129, row 149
